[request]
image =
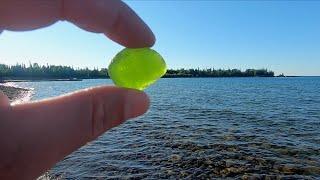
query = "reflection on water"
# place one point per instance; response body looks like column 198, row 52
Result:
column 204, row 128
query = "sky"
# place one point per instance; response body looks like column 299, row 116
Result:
column 281, row 36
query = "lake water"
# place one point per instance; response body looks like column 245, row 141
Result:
column 206, row 128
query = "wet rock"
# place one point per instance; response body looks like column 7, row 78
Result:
column 287, row 169
column 184, row 174
column 221, row 164
column 231, row 172
column 208, row 162
column 230, row 163
column 253, row 177
column 270, row 177
column 169, row 172
column 175, row 158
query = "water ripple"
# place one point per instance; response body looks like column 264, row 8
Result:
column 242, row 128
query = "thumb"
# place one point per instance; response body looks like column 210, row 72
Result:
column 44, row 132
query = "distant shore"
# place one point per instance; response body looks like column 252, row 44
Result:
column 166, row 76
column 36, row 79
column 14, row 93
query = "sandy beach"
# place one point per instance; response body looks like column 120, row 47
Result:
column 14, row 93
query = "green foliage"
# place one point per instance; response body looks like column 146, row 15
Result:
column 219, row 73
column 35, row 71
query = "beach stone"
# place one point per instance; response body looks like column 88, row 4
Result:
column 175, row 158
column 136, row 68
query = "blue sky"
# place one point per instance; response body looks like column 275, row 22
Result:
column 281, row 36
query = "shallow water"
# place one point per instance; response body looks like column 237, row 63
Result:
column 206, row 128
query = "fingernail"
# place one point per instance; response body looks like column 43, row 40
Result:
column 136, row 103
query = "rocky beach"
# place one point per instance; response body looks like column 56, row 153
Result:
column 14, row 93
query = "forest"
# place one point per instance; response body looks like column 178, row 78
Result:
column 211, row 72
column 36, row 71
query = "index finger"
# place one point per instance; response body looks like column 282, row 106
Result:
column 110, row 17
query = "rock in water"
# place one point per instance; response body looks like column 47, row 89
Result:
column 136, row 68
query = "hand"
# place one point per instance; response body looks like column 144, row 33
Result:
column 36, row 135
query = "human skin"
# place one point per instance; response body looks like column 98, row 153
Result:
column 34, row 136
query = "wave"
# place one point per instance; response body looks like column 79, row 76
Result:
column 23, row 97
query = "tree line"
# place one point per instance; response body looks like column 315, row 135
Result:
column 36, row 71
column 49, row 72
column 211, row 72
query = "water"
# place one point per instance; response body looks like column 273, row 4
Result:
column 206, row 128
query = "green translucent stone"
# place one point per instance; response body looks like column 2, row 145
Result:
column 136, row 68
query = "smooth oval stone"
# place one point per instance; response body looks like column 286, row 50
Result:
column 136, row 68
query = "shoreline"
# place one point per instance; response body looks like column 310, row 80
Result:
column 37, row 80
column 16, row 94
column 164, row 77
